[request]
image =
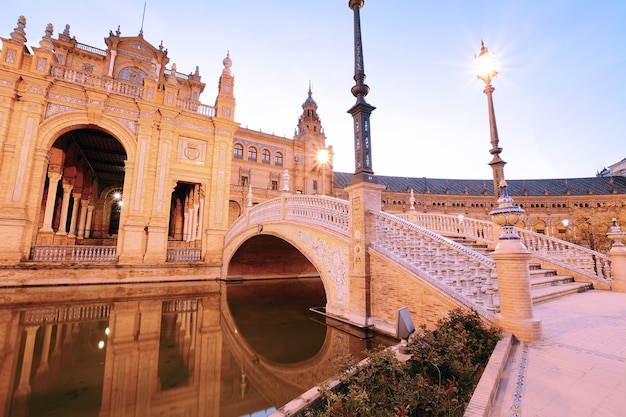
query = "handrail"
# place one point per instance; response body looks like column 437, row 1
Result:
column 466, row 275
column 587, row 262
column 327, row 212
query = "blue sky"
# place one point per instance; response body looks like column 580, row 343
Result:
column 560, row 97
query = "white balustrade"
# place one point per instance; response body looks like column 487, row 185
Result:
column 183, row 254
column 462, row 273
column 592, row 264
column 327, row 212
column 63, row 253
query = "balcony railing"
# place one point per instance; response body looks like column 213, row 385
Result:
column 72, row 253
column 73, row 76
column 183, row 255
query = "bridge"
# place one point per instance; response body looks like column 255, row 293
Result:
column 429, row 262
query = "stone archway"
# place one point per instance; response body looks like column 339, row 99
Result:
column 80, row 201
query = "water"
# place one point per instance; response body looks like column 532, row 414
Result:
column 210, row 348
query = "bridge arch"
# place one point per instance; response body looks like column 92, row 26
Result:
column 319, row 252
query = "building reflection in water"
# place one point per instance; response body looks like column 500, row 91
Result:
column 164, row 350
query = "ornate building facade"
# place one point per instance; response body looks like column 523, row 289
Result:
column 110, row 153
column 112, row 150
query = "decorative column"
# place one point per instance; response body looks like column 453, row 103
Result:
column 617, row 255
column 82, row 219
column 53, row 185
column 512, row 257
column 74, row 217
column 67, row 189
column 90, row 210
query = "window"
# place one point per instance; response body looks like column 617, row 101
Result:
column 315, row 185
column 265, row 156
column 278, row 159
column 238, row 151
column 252, row 154
column 244, row 181
column 274, row 185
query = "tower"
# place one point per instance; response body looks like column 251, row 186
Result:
column 309, row 139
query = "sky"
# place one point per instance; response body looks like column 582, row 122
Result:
column 560, row 96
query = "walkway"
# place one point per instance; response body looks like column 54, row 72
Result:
column 578, row 369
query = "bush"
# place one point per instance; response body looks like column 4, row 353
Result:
column 438, row 379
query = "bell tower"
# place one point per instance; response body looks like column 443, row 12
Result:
column 309, row 139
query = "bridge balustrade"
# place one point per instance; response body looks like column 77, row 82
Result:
column 460, row 272
column 587, row 262
column 328, row 212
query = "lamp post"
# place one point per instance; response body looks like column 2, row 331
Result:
column 486, row 71
column 323, row 157
column 363, row 171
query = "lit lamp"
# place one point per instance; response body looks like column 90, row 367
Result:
column 486, row 71
column 323, row 156
column 506, row 215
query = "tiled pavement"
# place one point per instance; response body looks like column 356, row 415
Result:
column 577, row 369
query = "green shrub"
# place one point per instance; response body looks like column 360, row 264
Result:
column 438, row 379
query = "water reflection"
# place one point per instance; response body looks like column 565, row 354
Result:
column 207, row 349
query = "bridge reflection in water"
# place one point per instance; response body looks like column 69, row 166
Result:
column 194, row 349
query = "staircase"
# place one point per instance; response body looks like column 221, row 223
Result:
column 545, row 284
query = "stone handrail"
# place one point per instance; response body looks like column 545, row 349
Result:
column 327, row 212
column 463, row 274
column 47, row 315
column 83, row 253
column 587, row 262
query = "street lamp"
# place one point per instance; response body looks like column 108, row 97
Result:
column 323, row 157
column 486, row 71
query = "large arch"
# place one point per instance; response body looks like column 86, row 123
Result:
column 325, row 250
column 66, row 133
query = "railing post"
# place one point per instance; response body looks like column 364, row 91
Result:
column 511, row 257
column 617, row 254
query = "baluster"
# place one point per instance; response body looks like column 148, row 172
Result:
column 478, row 284
column 489, row 292
column 469, row 293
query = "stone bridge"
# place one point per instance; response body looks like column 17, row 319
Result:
column 372, row 263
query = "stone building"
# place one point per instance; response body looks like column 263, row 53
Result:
column 111, row 154
column 112, row 150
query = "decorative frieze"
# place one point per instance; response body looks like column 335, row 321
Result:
column 55, row 108
column 195, row 127
column 120, row 110
column 130, row 124
column 6, row 83
column 74, row 100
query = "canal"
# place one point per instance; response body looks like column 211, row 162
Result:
column 171, row 349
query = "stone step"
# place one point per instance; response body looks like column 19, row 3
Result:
column 550, row 292
column 542, row 281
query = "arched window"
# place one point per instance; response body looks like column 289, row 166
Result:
column 278, row 159
column 238, row 151
column 265, row 156
column 252, row 154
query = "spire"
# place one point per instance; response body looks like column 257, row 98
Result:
column 18, row 33
column 46, row 40
column 309, row 120
column 225, row 102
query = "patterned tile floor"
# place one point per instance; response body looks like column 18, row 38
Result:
column 579, row 366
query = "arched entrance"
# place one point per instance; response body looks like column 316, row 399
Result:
column 83, row 193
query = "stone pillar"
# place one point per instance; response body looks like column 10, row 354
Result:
column 82, row 219
column 74, row 217
column 617, row 255
column 65, row 205
column 53, row 185
column 512, row 258
column 88, row 221
column 364, row 196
